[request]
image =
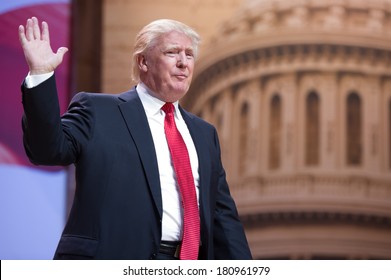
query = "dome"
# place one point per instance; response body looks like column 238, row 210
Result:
column 300, row 93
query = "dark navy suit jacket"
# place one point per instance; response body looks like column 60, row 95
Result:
column 117, row 208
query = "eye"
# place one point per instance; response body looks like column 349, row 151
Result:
column 189, row 55
column 171, row 53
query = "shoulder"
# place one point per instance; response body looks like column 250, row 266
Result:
column 107, row 98
column 190, row 117
column 94, row 96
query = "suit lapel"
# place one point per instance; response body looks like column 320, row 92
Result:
column 134, row 115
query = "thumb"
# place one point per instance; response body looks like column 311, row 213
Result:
column 60, row 53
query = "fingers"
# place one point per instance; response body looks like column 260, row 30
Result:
column 29, row 30
column 22, row 35
column 36, row 30
column 45, row 32
column 33, row 32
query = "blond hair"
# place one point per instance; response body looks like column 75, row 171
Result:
column 148, row 35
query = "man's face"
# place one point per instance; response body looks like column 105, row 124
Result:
column 167, row 68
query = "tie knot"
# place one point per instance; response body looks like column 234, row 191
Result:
column 168, row 108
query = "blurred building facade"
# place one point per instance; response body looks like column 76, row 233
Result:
column 300, row 92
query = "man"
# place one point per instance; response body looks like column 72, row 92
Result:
column 149, row 178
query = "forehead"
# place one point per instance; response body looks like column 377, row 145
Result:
column 175, row 39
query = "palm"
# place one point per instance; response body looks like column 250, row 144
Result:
column 37, row 50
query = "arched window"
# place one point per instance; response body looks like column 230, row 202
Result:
column 353, row 129
column 275, row 132
column 243, row 136
column 312, row 137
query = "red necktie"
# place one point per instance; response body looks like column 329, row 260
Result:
column 181, row 162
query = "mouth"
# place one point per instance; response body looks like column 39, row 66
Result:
column 181, row 76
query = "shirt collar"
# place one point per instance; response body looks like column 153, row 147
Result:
column 152, row 105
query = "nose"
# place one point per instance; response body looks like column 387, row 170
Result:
column 182, row 60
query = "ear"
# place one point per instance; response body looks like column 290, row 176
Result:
column 142, row 63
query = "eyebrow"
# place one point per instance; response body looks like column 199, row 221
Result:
column 176, row 47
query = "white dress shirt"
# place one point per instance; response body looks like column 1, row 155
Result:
column 172, row 209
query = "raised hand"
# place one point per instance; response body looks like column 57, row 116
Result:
column 36, row 47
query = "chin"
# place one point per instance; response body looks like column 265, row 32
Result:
column 175, row 96
column 180, row 91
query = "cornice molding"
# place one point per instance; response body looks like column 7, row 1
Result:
column 354, row 195
column 259, row 220
column 346, row 16
column 268, row 61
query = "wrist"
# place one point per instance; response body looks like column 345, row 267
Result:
column 39, row 72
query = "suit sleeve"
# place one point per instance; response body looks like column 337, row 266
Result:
column 229, row 238
column 48, row 138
